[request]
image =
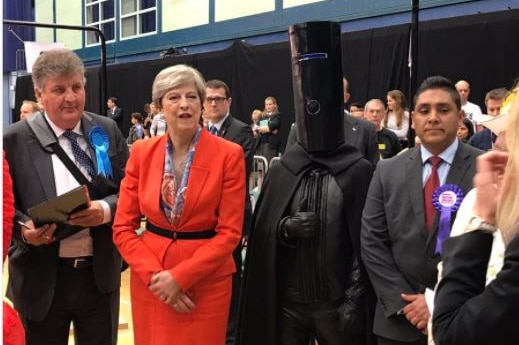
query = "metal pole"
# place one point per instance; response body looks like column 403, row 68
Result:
column 102, row 77
column 413, row 57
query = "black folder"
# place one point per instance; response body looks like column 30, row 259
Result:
column 58, row 210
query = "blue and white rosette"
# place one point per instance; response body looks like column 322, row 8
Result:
column 100, row 142
column 446, row 199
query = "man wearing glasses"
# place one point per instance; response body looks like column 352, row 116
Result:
column 217, row 107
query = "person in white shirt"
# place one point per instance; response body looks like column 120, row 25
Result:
column 397, row 115
column 158, row 125
column 471, row 110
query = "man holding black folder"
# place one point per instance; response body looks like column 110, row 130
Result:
column 63, row 272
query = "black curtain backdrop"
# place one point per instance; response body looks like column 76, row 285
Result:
column 375, row 61
column 480, row 48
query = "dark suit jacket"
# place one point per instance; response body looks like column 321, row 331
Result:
column 121, row 121
column 467, row 312
column 483, row 140
column 396, row 249
column 273, row 139
column 33, row 270
column 240, row 133
column 362, row 134
column 358, row 133
column 117, row 115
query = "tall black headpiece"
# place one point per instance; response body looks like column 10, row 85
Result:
column 317, row 81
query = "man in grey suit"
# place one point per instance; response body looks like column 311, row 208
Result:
column 217, row 107
column 398, row 247
column 65, row 272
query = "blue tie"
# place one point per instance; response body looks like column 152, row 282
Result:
column 213, row 130
column 80, row 156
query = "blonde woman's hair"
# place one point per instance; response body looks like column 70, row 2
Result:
column 508, row 206
column 273, row 99
column 256, row 113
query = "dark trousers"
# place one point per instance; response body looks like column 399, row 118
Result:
column 230, row 336
column 266, row 151
column 77, row 300
column 386, row 341
column 302, row 323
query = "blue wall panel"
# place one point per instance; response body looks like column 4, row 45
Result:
column 272, row 26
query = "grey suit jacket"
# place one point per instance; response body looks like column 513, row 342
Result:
column 358, row 133
column 396, row 249
column 32, row 270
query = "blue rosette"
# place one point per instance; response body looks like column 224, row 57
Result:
column 446, row 199
column 101, row 143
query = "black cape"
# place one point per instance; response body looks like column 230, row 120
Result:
column 258, row 304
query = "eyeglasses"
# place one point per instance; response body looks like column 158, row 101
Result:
column 217, row 100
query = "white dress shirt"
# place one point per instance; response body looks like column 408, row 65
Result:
column 79, row 244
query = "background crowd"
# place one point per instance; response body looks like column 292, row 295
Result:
column 184, row 166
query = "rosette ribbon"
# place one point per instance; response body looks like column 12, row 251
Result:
column 100, row 142
column 446, row 199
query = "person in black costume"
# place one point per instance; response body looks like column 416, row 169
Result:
column 303, row 276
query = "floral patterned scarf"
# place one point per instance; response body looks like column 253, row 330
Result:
column 173, row 192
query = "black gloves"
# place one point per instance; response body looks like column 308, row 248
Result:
column 351, row 311
column 299, row 226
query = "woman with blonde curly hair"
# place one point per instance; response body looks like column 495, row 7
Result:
column 466, row 311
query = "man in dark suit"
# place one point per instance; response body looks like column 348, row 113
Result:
column 359, row 133
column 217, row 111
column 387, row 141
column 67, row 272
column 115, row 113
column 400, row 225
column 484, row 139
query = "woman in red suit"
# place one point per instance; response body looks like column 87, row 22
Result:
column 14, row 333
column 190, row 185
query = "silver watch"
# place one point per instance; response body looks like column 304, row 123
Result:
column 478, row 223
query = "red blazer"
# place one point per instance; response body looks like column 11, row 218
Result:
column 8, row 208
column 214, row 200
